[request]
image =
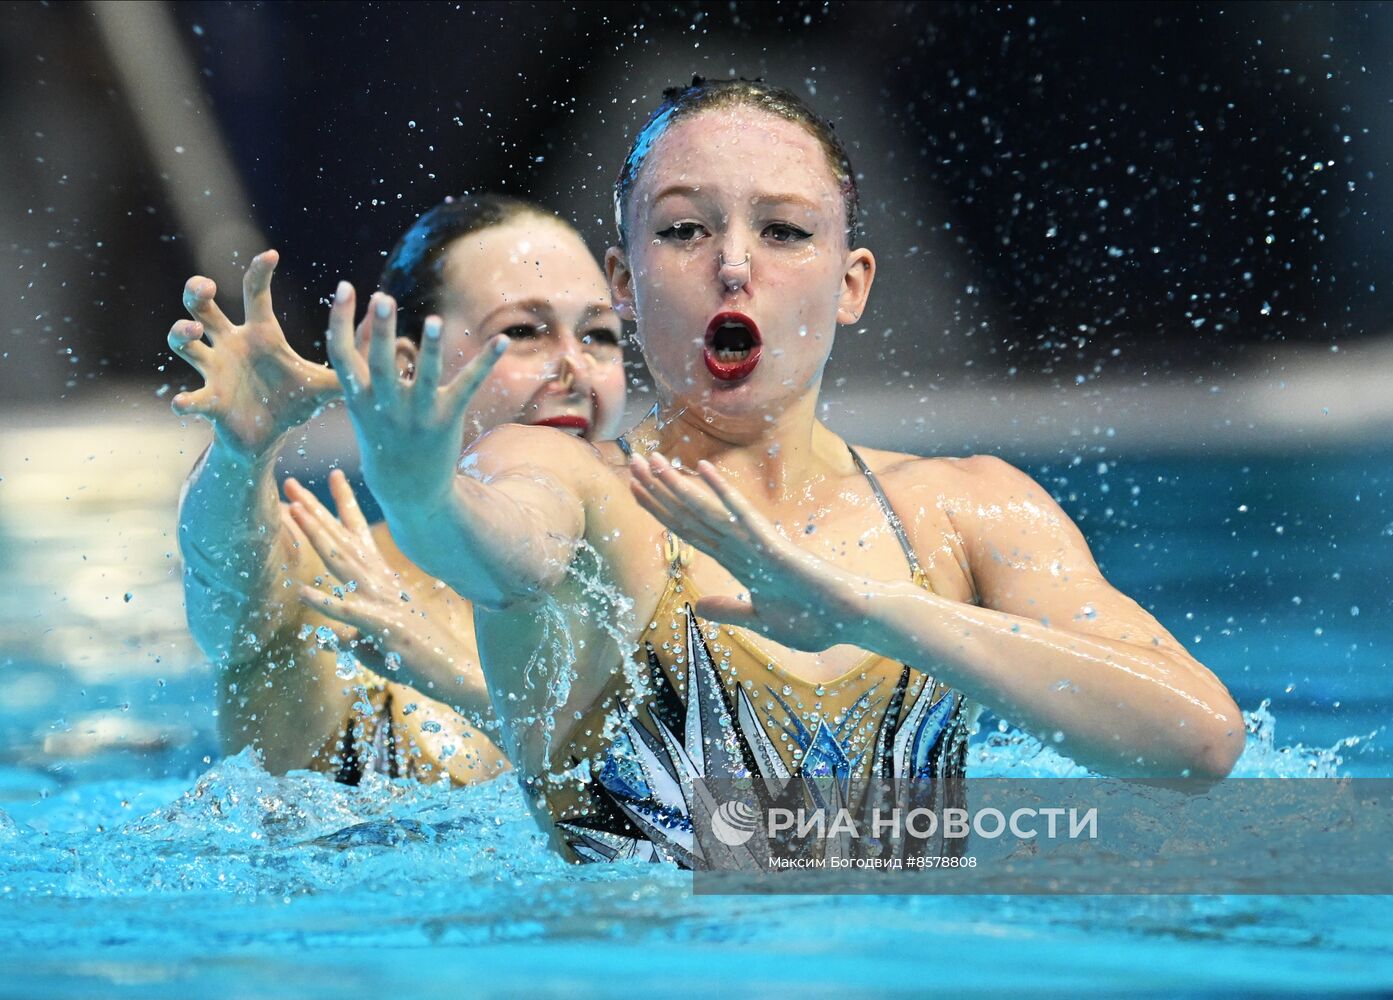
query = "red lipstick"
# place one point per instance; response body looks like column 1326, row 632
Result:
column 731, row 348
column 565, row 423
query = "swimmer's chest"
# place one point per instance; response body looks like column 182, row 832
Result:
column 854, row 537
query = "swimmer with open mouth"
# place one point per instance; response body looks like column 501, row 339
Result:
column 793, row 610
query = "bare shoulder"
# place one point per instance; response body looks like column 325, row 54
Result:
column 986, row 479
column 981, row 488
column 952, row 476
column 997, row 492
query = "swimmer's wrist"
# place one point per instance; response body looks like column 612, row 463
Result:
column 259, row 462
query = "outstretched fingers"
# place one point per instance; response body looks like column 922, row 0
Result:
column 343, row 353
column 324, row 533
column 734, row 502
column 696, row 497
column 199, row 300
column 382, row 347
column 186, row 341
column 428, row 365
column 256, row 288
column 655, row 496
column 456, row 396
column 199, row 403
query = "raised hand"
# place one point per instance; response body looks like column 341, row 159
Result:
column 391, row 625
column 255, row 387
column 797, row 599
column 410, row 433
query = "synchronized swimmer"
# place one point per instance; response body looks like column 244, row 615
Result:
column 485, row 264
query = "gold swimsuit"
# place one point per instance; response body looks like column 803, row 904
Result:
column 372, row 740
column 703, row 706
column 388, row 733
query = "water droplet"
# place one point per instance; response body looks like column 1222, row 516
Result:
column 345, row 666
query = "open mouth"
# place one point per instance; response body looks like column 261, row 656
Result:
column 576, row 425
column 731, row 347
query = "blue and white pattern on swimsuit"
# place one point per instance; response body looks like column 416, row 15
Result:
column 664, row 779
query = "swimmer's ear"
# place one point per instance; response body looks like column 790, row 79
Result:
column 856, row 285
column 621, row 284
column 406, row 352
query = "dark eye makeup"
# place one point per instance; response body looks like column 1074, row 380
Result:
column 684, row 232
column 600, row 335
column 786, row 232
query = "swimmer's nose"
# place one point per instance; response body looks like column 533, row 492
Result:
column 733, row 266
column 572, row 369
column 566, row 372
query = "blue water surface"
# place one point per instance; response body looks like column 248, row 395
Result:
column 164, row 871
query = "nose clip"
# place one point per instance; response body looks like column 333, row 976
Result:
column 565, row 375
column 731, row 277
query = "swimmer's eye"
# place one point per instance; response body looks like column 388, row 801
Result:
column 600, row 335
column 522, row 331
column 784, row 232
column 683, row 232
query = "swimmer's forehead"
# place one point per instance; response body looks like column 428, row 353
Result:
column 738, row 155
column 531, row 264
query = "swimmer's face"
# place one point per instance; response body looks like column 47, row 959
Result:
column 535, row 280
column 738, row 341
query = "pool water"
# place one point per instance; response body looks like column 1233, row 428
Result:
column 138, row 863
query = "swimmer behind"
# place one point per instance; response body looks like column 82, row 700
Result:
column 267, row 582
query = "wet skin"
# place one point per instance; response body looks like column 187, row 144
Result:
column 532, row 277
column 738, row 211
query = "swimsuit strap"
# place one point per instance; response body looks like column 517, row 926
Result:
column 895, row 523
column 676, row 556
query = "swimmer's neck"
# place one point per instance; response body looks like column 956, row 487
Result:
column 772, row 456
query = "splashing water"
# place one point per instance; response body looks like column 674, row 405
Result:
column 273, row 872
column 1014, row 753
column 557, row 650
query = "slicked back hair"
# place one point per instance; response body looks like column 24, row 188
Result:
column 414, row 274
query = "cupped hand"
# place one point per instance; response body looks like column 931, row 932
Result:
column 370, row 602
column 255, row 387
column 794, row 597
column 410, row 433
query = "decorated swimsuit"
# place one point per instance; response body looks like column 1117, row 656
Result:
column 704, row 710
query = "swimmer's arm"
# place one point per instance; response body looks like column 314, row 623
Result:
column 277, row 691
column 501, row 533
column 507, row 528
column 234, row 536
column 1053, row 646
column 237, row 542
